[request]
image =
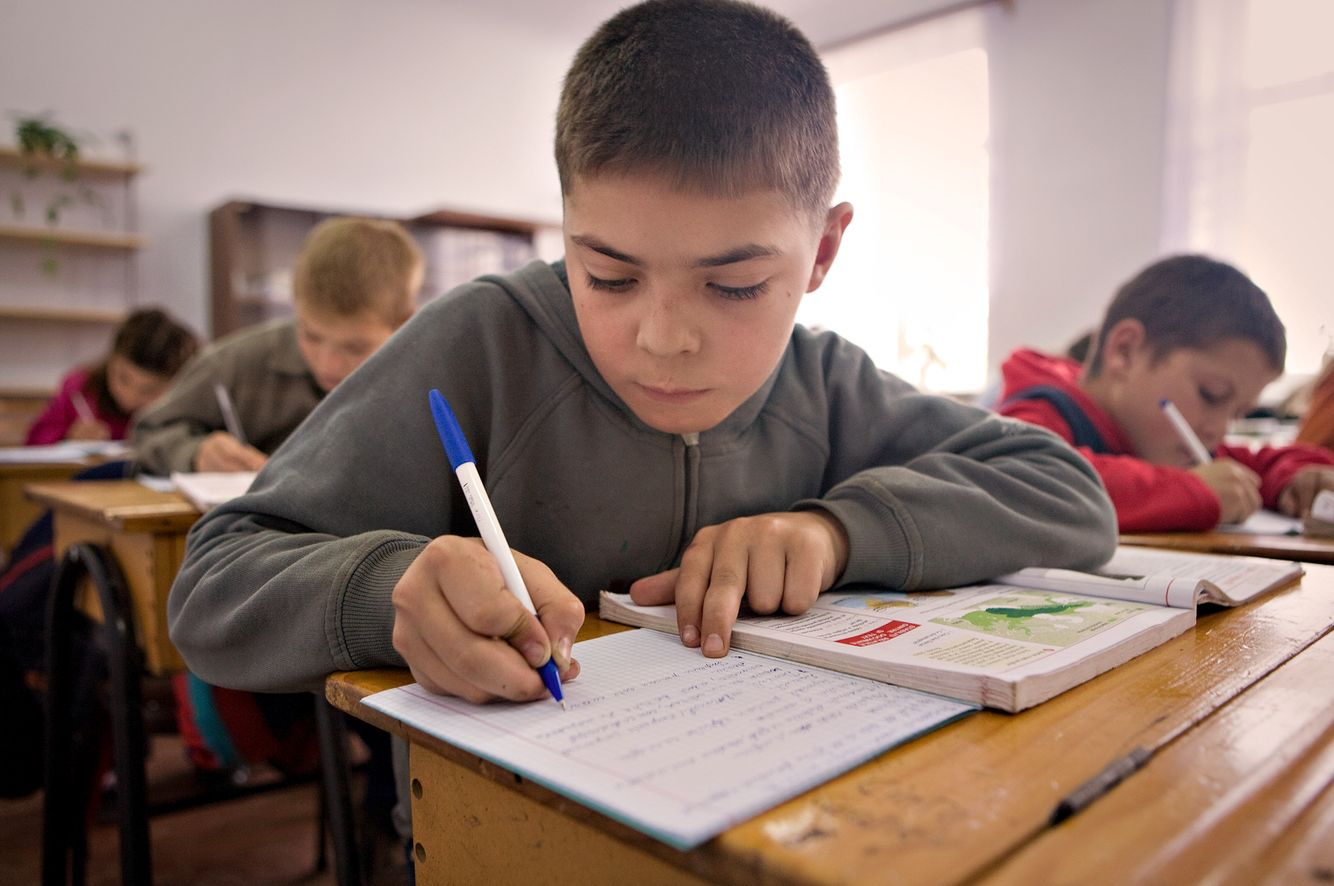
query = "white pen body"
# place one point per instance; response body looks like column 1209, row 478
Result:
column 1186, row 433
column 81, row 406
column 492, row 535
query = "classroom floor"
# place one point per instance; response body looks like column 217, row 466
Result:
column 266, row 838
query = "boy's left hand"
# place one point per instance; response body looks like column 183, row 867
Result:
column 773, row 561
column 1295, row 499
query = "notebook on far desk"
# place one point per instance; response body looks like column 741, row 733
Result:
column 207, row 490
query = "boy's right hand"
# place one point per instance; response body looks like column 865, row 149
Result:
column 1237, row 488
column 220, row 451
column 463, row 633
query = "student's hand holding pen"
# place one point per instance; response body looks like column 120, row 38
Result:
column 1237, row 488
column 1296, row 498
column 462, row 633
column 87, row 429
column 777, row 562
column 220, row 451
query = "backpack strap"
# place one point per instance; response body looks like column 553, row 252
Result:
column 1082, row 429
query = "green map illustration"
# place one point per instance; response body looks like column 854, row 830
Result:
column 1043, row 617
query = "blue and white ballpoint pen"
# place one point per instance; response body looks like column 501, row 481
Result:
column 465, row 468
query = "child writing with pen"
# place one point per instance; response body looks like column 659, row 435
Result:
column 98, row 402
column 642, row 412
column 355, row 282
column 1187, row 335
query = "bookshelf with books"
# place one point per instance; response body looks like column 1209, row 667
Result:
column 254, row 245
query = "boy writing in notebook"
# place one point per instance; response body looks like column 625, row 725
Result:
column 1200, row 334
column 643, row 412
column 355, row 282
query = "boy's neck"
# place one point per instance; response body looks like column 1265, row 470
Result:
column 1099, row 389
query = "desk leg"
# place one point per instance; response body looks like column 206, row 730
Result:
column 63, row 831
column 336, row 792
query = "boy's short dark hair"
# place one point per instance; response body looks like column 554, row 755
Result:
column 1192, row 301
column 349, row 265
column 717, row 95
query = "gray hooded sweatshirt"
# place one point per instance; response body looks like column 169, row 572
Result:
column 293, row 580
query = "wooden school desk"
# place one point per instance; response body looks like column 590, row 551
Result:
column 1237, row 714
column 123, row 527
column 17, row 511
column 1307, row 548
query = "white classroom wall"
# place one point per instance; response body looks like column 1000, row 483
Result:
column 393, row 107
column 1078, row 116
column 404, row 105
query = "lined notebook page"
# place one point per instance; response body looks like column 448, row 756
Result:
column 676, row 745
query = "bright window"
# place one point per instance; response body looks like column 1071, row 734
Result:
column 910, row 283
column 1252, row 141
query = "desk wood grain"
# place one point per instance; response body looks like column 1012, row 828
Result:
column 1246, row 796
column 1310, row 549
column 957, row 803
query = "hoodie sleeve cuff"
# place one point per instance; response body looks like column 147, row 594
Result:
column 880, row 542
column 363, row 619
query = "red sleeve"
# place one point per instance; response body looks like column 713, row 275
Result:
column 1147, row 497
column 1277, row 464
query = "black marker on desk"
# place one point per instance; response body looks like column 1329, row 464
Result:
column 1112, row 775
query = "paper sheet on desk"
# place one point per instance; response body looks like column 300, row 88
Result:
column 71, row 451
column 1265, row 523
column 676, row 745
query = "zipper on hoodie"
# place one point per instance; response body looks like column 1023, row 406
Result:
column 690, row 474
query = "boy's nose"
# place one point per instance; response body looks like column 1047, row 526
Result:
column 667, row 327
column 328, row 368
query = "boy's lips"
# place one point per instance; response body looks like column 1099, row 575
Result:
column 672, row 394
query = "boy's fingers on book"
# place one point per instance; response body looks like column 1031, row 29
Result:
column 802, row 583
column 655, row 590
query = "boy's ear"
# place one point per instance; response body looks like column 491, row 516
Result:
column 835, row 223
column 1125, row 344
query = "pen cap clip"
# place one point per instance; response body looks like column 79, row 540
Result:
column 451, row 435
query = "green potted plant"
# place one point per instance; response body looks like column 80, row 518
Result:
column 42, row 142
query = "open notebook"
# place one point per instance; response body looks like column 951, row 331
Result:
column 207, row 490
column 676, row 745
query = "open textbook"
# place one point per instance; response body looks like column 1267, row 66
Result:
column 677, row 745
column 1009, row 644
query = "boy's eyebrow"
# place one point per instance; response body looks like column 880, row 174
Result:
column 731, row 256
column 598, row 246
column 740, row 254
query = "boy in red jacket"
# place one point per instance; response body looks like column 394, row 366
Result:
column 1197, row 332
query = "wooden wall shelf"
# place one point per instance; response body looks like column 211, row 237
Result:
column 95, row 239
column 99, row 316
column 100, row 168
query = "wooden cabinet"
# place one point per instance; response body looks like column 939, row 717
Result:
column 253, row 246
column 68, row 247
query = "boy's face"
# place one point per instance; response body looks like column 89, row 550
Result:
column 131, row 387
column 1210, row 387
column 334, row 345
column 686, row 301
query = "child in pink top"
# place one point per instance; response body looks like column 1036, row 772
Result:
column 98, row 402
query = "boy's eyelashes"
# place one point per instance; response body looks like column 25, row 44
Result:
column 737, row 293
column 620, row 285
